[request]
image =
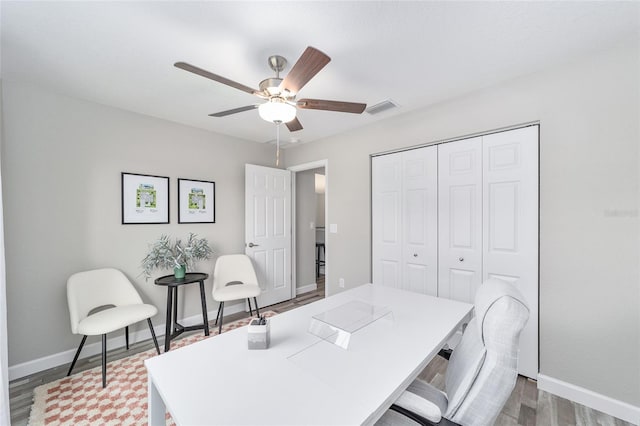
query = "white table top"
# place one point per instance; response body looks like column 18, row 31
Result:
column 302, row 379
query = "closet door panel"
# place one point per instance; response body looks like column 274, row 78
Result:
column 386, row 176
column 510, row 216
column 420, row 220
column 460, row 218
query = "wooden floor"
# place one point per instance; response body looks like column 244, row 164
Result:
column 527, row 406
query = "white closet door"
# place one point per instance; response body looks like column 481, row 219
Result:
column 510, row 163
column 420, row 220
column 460, row 219
column 386, row 210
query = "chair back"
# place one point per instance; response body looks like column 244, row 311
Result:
column 233, row 267
column 99, row 287
column 483, row 368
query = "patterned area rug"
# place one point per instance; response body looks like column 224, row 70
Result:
column 81, row 400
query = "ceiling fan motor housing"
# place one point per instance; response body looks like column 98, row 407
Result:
column 271, row 86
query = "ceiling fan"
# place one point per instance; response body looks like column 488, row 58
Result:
column 280, row 94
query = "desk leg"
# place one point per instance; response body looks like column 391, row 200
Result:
column 155, row 406
column 169, row 325
column 203, row 299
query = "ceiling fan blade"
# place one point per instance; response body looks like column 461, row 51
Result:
column 294, row 125
column 338, row 106
column 309, row 64
column 233, row 111
column 215, row 77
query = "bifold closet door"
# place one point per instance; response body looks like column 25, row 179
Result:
column 386, row 218
column 420, row 220
column 460, row 218
column 510, row 216
column 404, row 217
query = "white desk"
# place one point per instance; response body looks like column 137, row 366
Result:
column 302, row 379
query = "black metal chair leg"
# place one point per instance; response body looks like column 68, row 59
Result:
column 256, row 302
column 250, row 311
column 153, row 334
column 218, row 315
column 75, row 358
column 126, row 336
column 221, row 309
column 104, row 361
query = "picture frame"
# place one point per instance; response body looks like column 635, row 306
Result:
column 145, row 199
column 196, row 201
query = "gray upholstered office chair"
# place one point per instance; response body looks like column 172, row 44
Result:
column 482, row 371
column 234, row 278
column 101, row 301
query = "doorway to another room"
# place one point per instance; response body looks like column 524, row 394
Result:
column 310, row 242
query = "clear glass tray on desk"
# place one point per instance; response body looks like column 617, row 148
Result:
column 338, row 324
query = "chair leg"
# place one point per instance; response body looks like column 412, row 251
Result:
column 104, row 361
column 256, row 303
column 75, row 358
column 153, row 334
column 221, row 312
column 126, row 336
column 250, row 311
column 218, row 315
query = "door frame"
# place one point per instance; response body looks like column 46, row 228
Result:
column 294, row 252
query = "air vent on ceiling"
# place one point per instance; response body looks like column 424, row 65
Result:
column 381, row 107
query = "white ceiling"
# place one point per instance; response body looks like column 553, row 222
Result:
column 415, row 53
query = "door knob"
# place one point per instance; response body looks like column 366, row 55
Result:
column 251, row 245
column 461, row 259
column 415, row 254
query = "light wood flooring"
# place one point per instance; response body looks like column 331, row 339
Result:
column 527, row 406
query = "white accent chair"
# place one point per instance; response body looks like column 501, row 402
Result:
column 102, row 301
column 482, row 371
column 234, row 278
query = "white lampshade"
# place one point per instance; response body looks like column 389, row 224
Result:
column 277, row 110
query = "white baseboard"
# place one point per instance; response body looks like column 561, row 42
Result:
column 61, row 358
column 613, row 407
column 306, row 288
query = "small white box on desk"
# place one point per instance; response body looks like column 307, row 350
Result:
column 258, row 335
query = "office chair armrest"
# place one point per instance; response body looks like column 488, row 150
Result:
column 421, row 420
column 419, row 406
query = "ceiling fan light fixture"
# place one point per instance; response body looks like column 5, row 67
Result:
column 277, row 111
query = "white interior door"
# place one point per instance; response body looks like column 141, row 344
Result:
column 420, row 220
column 386, row 204
column 460, row 219
column 510, row 216
column 268, row 230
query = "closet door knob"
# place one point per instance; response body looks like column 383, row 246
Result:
column 461, row 259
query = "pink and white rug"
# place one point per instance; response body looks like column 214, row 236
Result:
column 80, row 399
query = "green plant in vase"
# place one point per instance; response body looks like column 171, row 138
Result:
column 176, row 255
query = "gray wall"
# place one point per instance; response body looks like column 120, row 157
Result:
column 61, row 165
column 305, row 235
column 319, row 210
column 589, row 230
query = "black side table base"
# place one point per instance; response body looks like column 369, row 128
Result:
column 174, row 329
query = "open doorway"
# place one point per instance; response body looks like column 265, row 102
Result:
column 309, row 242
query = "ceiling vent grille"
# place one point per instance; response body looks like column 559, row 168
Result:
column 381, row 107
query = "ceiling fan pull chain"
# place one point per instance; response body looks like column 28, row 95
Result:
column 278, row 144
